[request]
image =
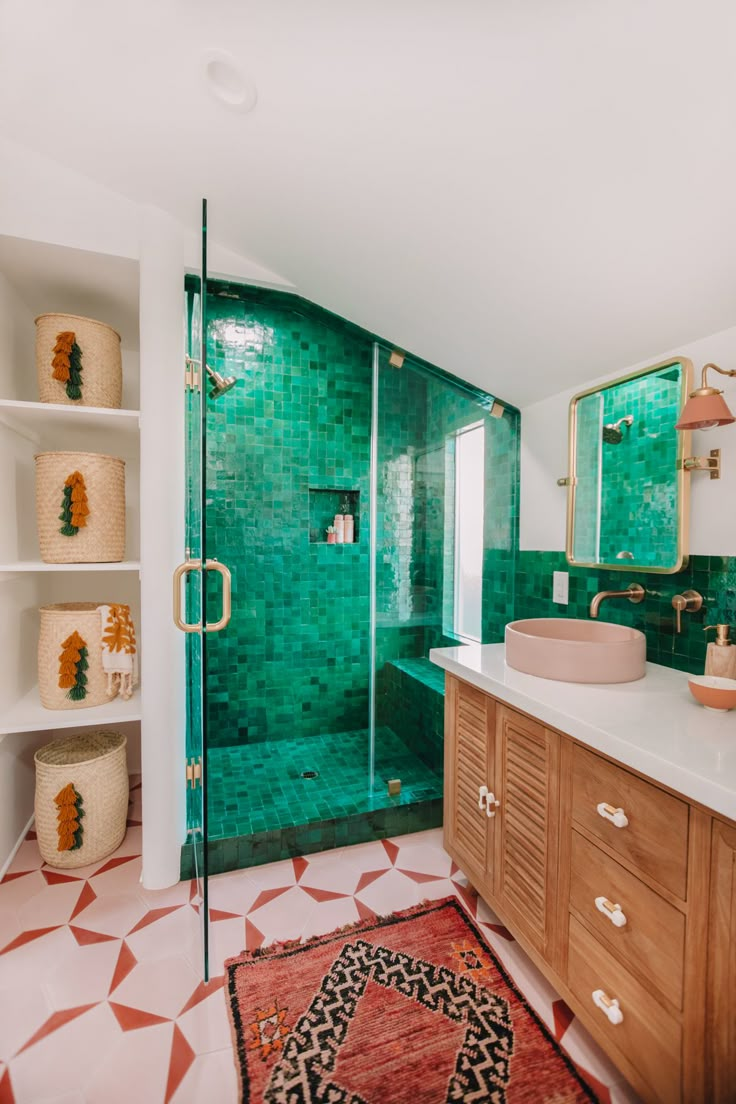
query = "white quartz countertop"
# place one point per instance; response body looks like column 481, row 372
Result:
column 653, row 725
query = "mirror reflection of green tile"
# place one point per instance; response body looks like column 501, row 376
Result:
column 626, row 506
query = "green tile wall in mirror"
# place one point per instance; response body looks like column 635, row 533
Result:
column 628, row 494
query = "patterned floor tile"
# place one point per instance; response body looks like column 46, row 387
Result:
column 104, row 1000
column 22, row 1009
column 161, row 986
column 63, row 1060
column 212, row 1077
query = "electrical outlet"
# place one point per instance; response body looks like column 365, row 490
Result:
column 560, row 582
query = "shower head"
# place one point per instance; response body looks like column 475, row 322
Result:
column 613, row 434
column 220, row 384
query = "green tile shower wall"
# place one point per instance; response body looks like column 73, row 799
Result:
column 294, row 659
column 290, row 673
column 418, row 419
column 713, row 576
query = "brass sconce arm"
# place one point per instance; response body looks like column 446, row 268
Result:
column 704, row 378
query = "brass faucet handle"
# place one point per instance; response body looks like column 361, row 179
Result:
column 690, row 601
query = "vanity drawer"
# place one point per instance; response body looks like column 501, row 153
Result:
column 654, row 839
column 651, row 943
column 648, row 1036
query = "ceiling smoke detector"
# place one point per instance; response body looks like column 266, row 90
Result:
column 227, row 82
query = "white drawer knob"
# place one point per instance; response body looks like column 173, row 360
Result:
column 617, row 817
column 608, row 1005
column 614, row 912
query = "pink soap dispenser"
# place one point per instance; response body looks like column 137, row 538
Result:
column 720, row 656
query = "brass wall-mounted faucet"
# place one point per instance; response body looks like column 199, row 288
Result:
column 687, row 602
column 634, row 592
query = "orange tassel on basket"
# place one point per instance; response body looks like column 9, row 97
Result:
column 70, row 812
column 61, row 363
column 73, row 665
column 74, row 508
column 67, row 363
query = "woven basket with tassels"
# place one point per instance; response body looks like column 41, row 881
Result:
column 70, row 671
column 78, row 361
column 80, row 507
column 81, row 798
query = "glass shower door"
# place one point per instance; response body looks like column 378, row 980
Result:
column 190, row 607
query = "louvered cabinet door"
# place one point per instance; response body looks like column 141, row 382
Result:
column 526, row 843
column 469, row 738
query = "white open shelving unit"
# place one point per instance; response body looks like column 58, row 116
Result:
column 28, row 715
column 36, row 278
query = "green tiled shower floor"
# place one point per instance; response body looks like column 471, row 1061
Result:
column 255, row 788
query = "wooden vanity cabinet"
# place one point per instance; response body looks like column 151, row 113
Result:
column 526, row 829
column 611, row 883
column 471, row 717
column 721, row 1007
column 511, row 859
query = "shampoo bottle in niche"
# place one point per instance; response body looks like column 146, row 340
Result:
column 720, row 657
column 349, row 529
column 339, row 529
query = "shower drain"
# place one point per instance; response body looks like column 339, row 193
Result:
column 309, row 774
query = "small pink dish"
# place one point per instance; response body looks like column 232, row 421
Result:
column 718, row 694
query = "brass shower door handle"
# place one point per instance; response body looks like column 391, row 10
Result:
column 181, row 570
column 196, row 565
column 227, row 603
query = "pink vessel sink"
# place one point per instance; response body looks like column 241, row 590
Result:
column 576, row 651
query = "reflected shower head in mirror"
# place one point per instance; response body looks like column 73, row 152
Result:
column 613, row 434
column 220, row 384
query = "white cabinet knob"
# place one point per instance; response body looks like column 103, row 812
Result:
column 617, row 817
column 609, row 1006
column 614, row 912
column 487, row 801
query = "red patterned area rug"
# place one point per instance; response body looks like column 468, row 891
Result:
column 409, row 1009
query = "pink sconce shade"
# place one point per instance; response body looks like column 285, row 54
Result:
column 704, row 411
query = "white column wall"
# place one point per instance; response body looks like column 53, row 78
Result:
column 162, row 544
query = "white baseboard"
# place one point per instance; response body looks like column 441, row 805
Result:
column 6, row 865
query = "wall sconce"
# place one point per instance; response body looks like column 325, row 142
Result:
column 706, row 409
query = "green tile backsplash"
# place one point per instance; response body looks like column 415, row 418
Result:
column 713, row 576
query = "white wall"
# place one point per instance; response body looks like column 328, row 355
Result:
column 544, row 459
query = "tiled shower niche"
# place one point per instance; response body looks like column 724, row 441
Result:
column 324, row 504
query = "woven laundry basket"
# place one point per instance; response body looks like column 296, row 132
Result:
column 59, row 623
column 101, row 537
column 99, row 379
column 94, row 765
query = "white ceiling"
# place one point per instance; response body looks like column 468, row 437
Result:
column 529, row 194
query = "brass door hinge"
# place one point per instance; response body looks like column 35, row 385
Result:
column 194, row 772
column 567, row 481
column 191, row 374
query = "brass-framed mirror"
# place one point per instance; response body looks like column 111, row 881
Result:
column 628, row 494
